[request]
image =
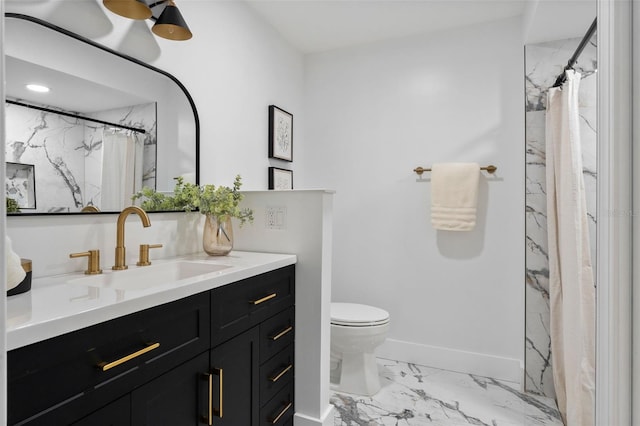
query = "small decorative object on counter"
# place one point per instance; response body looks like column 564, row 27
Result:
column 217, row 236
column 25, row 284
column 220, row 205
column 14, row 272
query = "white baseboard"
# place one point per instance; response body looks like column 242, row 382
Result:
column 496, row 367
column 326, row 420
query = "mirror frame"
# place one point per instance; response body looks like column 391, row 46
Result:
column 92, row 43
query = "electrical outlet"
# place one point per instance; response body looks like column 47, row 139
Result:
column 276, row 218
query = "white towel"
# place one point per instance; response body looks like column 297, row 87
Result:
column 15, row 272
column 454, row 196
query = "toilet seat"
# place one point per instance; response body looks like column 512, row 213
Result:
column 357, row 315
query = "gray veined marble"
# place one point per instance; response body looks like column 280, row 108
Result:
column 67, row 152
column 418, row 395
column 544, row 62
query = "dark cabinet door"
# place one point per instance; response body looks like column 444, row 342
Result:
column 177, row 398
column 235, row 380
column 118, row 413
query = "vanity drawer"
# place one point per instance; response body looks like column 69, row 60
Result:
column 105, row 359
column 276, row 373
column 279, row 410
column 238, row 307
column 276, row 333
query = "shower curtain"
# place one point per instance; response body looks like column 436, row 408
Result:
column 571, row 285
column 121, row 169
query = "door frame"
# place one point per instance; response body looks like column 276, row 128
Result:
column 615, row 215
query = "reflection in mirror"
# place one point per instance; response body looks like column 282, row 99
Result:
column 108, row 126
column 82, row 161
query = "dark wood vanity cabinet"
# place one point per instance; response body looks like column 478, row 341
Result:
column 204, row 359
column 260, row 312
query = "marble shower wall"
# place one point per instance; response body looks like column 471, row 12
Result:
column 544, row 62
column 66, row 152
column 54, row 145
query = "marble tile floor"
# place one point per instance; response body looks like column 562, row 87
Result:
column 418, row 395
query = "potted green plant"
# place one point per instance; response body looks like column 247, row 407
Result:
column 219, row 204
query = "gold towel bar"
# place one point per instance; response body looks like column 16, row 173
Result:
column 421, row 170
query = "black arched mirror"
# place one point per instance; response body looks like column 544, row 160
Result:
column 108, row 126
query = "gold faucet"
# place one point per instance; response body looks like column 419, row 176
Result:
column 120, row 249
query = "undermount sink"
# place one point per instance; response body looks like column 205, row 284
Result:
column 140, row 278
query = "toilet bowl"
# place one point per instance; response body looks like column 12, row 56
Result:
column 356, row 331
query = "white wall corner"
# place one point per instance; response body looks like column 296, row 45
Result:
column 306, row 231
column 325, row 420
column 528, row 17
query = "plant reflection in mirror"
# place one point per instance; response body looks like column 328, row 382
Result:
column 12, row 206
column 217, row 201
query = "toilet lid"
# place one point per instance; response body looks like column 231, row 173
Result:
column 356, row 315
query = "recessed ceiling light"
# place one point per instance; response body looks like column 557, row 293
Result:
column 38, row 88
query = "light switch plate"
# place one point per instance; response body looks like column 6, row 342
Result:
column 276, row 218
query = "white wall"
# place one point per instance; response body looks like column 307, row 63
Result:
column 374, row 113
column 235, row 66
column 305, row 229
column 48, row 241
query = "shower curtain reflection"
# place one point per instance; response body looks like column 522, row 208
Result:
column 122, row 171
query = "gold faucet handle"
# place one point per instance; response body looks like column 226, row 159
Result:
column 93, row 262
column 144, row 253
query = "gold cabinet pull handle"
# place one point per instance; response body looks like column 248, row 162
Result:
column 107, row 366
column 280, row 374
column 209, row 418
column 282, row 333
column 219, row 372
column 284, row 410
column 264, row 299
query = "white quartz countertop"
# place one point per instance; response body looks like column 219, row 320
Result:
column 63, row 303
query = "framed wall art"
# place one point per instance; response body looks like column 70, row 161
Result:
column 280, row 179
column 20, row 184
column 280, row 134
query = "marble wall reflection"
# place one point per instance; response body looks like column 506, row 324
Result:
column 66, row 152
column 544, row 62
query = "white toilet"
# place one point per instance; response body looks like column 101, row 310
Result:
column 356, row 331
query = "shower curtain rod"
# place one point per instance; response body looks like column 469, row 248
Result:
column 68, row 114
column 592, row 29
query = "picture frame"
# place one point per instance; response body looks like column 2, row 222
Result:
column 280, row 179
column 280, row 134
column 20, row 184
